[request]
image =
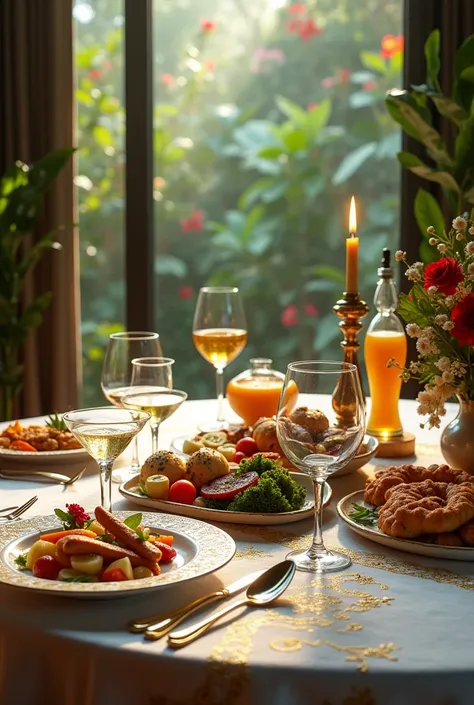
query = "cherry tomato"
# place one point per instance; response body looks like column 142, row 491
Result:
column 182, row 491
column 167, row 552
column 238, row 457
column 113, row 576
column 247, row 446
column 46, row 567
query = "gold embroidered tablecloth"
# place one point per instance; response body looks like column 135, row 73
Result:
column 393, row 629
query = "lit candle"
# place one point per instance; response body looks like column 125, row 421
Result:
column 352, row 253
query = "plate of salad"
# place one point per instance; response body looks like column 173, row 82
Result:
column 258, row 491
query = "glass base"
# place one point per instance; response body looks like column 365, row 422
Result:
column 124, row 474
column 325, row 562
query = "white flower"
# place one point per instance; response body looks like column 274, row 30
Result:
column 458, row 368
column 423, row 346
column 413, row 330
column 470, row 269
column 459, row 236
column 416, row 367
column 448, row 377
column 412, row 274
column 432, row 290
column 442, row 411
column 423, row 410
column 469, row 249
column 426, row 397
column 460, row 223
column 434, row 421
column 442, row 247
column 450, row 301
column 471, row 231
column 438, row 380
column 443, row 364
column 400, row 255
column 430, row 230
column 417, row 265
column 449, row 325
column 440, row 319
column 432, row 241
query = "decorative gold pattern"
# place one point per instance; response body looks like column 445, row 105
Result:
column 359, row 654
column 214, row 548
column 251, row 553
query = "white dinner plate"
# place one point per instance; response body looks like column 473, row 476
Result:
column 201, row 549
column 129, row 491
column 357, row 461
column 455, row 553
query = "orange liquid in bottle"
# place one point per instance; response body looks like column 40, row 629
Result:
column 252, row 398
column 384, row 382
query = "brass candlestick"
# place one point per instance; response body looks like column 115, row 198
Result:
column 350, row 310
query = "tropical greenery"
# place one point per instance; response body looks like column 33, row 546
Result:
column 267, row 117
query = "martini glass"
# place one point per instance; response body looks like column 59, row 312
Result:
column 105, row 432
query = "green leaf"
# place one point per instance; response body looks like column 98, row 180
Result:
column 78, row 579
column 270, row 153
column 254, row 217
column 353, row 162
column 433, row 63
column 415, row 165
column 133, row 521
column 63, row 516
column 428, row 213
column 102, row 136
column 292, row 111
column 464, row 154
column 20, row 561
column 449, row 109
column 373, row 62
column 326, row 332
column 408, row 310
column 318, row 118
column 295, row 141
column 33, row 314
column 463, row 90
column 468, row 74
column 326, row 271
column 169, row 265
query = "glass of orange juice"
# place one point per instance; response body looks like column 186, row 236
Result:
column 256, row 392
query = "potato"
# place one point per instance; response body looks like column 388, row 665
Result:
column 142, row 571
column 87, row 563
column 190, row 446
column 96, row 528
column 38, row 549
column 157, row 486
column 122, row 564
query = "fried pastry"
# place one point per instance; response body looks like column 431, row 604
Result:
column 376, row 489
column 426, row 507
column 315, row 421
column 450, row 538
column 466, row 532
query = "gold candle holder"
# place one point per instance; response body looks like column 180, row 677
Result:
column 350, row 309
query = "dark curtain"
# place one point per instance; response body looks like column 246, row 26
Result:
column 36, row 117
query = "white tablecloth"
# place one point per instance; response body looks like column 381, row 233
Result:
column 394, row 629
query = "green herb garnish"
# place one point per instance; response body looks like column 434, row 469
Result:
column 56, row 422
column 20, row 561
column 364, row 516
column 78, row 579
column 141, row 489
column 133, row 521
column 141, row 534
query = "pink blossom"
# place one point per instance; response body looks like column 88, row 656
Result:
column 263, row 57
column 308, row 30
column 186, row 292
column 166, row 79
column 193, row 223
column 297, row 8
column 344, row 76
column 95, row 74
column 208, row 25
column 328, row 82
column 290, row 316
column 210, row 65
column 311, row 310
column 369, row 85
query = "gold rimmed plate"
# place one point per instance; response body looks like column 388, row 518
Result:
column 420, row 548
column 201, row 549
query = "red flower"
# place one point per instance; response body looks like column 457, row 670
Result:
column 311, row 310
column 78, row 514
column 312, row 106
column 95, row 74
column 166, row 79
column 294, row 26
column 462, row 316
column 186, row 292
column 369, row 85
column 445, row 275
column 194, row 222
column 290, row 316
column 297, row 8
column 391, row 44
column 309, row 29
column 208, row 25
column 344, row 76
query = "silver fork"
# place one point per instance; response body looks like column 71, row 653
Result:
column 8, row 509
column 18, row 512
column 41, row 476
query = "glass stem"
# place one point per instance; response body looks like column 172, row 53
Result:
column 105, row 468
column 317, row 547
column 154, row 437
column 135, row 465
column 220, row 393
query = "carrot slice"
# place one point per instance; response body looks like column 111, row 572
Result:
column 163, row 539
column 54, row 536
column 22, row 445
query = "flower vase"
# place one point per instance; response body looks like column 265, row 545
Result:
column 457, row 439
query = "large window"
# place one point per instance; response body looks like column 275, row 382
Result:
column 268, row 115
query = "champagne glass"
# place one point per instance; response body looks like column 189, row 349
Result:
column 160, row 404
column 105, row 432
column 117, row 376
column 314, row 442
column 219, row 333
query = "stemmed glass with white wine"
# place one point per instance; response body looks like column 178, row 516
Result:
column 105, row 432
column 117, row 373
column 315, row 443
column 219, row 334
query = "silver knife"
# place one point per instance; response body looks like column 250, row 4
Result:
column 39, row 476
column 158, row 626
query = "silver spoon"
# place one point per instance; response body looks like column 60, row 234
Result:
column 265, row 589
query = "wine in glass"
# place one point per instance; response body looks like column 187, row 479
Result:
column 117, row 373
column 160, row 404
column 315, row 444
column 219, row 333
column 105, row 432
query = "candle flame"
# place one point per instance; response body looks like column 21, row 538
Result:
column 352, row 217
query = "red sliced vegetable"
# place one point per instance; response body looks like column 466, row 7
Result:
column 228, row 486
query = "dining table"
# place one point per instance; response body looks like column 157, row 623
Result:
column 393, row 629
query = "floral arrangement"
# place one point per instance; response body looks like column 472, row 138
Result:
column 439, row 313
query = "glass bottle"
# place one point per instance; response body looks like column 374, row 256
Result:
column 256, row 392
column 385, row 339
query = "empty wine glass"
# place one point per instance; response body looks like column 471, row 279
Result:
column 105, row 432
column 219, row 334
column 315, row 444
column 117, row 376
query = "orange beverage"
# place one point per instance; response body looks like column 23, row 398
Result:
column 219, row 346
column 251, row 399
column 384, row 382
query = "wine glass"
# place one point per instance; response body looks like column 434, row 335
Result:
column 314, row 442
column 219, row 333
column 159, row 403
column 105, row 432
column 117, row 375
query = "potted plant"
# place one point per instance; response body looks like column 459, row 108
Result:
column 22, row 189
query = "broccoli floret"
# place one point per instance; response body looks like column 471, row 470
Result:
column 258, row 463
column 217, row 503
column 294, row 493
column 266, row 497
